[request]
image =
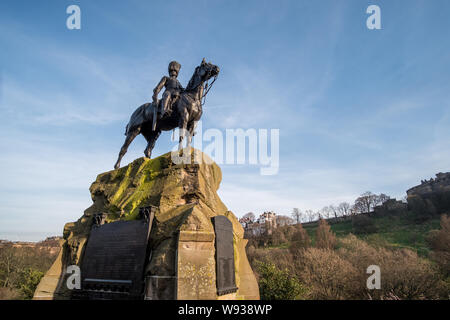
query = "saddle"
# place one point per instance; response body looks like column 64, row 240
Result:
column 149, row 109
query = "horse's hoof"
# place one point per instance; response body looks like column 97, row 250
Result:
column 116, row 166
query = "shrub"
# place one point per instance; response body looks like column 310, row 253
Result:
column 403, row 273
column 277, row 238
column 289, row 232
column 363, row 224
column 9, row 294
column 280, row 257
column 341, row 273
column 300, row 239
column 445, row 201
column 30, row 279
column 252, row 242
column 440, row 244
column 276, row 284
column 22, row 268
column 325, row 238
column 422, row 209
column 327, row 275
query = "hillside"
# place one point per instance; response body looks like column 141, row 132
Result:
column 391, row 232
column 328, row 260
column 23, row 264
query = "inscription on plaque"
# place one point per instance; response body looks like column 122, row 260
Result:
column 226, row 282
column 114, row 259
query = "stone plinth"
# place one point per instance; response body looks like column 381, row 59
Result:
column 181, row 263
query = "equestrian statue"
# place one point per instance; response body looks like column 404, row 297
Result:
column 179, row 108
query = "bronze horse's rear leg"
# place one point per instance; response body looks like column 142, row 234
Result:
column 130, row 137
column 151, row 137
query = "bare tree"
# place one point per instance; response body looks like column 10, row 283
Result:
column 344, row 209
column 8, row 265
column 310, row 214
column 284, row 221
column 297, row 215
column 250, row 216
column 318, row 214
column 325, row 212
column 366, row 202
column 359, row 207
column 334, row 210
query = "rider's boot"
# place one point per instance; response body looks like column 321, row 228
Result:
column 160, row 110
column 164, row 106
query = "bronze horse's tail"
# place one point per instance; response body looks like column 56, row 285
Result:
column 137, row 118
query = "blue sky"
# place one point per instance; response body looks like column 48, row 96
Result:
column 357, row 109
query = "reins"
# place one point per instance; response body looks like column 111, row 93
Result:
column 207, row 88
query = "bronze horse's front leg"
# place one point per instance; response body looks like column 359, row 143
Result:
column 190, row 132
column 182, row 125
column 130, row 137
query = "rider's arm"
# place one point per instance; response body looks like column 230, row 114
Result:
column 158, row 88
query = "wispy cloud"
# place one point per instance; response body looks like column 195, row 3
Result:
column 356, row 111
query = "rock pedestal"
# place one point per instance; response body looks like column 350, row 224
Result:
column 181, row 260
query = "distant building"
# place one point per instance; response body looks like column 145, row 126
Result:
column 54, row 238
column 265, row 223
column 439, row 184
column 268, row 221
column 245, row 222
column 50, row 244
column 391, row 205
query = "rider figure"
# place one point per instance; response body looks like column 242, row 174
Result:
column 173, row 88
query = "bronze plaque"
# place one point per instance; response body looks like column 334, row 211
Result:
column 114, row 260
column 225, row 276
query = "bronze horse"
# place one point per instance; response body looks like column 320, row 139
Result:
column 186, row 111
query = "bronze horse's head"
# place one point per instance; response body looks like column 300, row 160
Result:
column 207, row 70
column 204, row 72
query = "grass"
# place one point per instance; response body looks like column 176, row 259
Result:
column 284, row 245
